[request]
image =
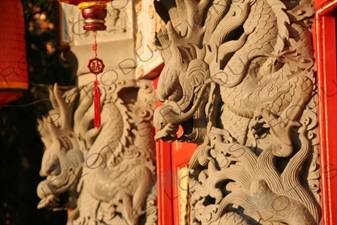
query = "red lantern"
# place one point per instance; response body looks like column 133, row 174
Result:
column 93, row 12
column 13, row 65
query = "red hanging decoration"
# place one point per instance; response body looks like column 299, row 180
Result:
column 94, row 13
column 96, row 66
column 97, row 104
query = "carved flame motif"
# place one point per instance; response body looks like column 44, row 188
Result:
column 239, row 79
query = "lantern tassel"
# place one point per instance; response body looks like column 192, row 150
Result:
column 97, row 105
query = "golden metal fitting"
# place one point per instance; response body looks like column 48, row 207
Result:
column 94, row 21
column 99, row 4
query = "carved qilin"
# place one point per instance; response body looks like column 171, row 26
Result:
column 106, row 174
column 239, row 78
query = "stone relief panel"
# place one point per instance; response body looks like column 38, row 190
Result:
column 148, row 23
column 239, row 78
column 105, row 175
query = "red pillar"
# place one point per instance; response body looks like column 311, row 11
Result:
column 325, row 39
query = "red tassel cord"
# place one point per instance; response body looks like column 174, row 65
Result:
column 97, row 105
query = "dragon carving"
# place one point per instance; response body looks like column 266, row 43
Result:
column 239, row 79
column 106, row 174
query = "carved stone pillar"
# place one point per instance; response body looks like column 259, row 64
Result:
column 105, row 175
column 239, row 77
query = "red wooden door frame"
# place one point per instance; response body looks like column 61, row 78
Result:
column 164, row 178
column 170, row 158
column 181, row 154
column 164, row 181
column 326, row 59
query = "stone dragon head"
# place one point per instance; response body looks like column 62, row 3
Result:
column 62, row 158
column 184, row 86
column 233, row 47
column 199, row 39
